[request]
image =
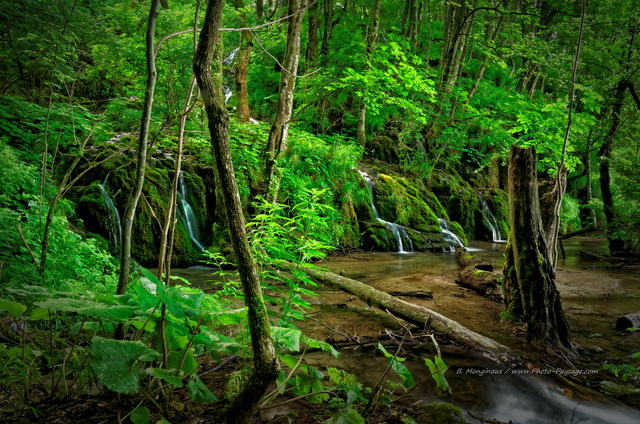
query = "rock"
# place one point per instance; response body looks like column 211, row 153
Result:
column 440, row 413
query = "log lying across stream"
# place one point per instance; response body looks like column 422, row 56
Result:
column 414, row 314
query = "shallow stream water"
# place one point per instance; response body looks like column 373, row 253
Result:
column 593, row 300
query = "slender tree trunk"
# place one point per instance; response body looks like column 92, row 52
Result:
column 260, row 10
column 372, row 38
column 312, row 37
column 134, row 197
column 540, row 301
column 328, row 30
column 265, row 361
column 242, row 66
column 277, row 141
column 616, row 243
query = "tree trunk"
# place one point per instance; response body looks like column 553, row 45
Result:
column 328, row 30
column 372, row 37
column 540, row 301
column 265, row 361
column 312, row 38
column 242, row 66
column 277, row 141
column 616, row 243
column 413, row 314
column 143, row 142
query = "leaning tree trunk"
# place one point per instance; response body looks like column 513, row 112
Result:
column 134, row 197
column 532, row 262
column 265, row 361
column 277, row 141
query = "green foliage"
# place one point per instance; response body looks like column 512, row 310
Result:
column 438, row 368
column 115, row 363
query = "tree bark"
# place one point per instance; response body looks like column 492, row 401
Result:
column 265, row 361
column 277, row 141
column 371, row 43
column 312, row 37
column 540, row 301
column 242, row 66
column 616, row 243
column 143, row 142
column 413, row 314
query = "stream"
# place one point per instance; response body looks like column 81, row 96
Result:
column 593, row 300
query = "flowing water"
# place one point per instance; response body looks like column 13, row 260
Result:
column 399, row 232
column 491, row 221
column 115, row 223
column 187, row 213
column 593, row 300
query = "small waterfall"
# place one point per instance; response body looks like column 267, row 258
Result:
column 187, row 213
column 398, row 231
column 114, row 221
column 227, row 61
column 449, row 236
column 491, row 222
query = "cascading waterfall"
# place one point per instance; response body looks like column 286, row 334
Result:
column 228, row 91
column 398, row 231
column 449, row 236
column 115, row 223
column 491, row 222
column 189, row 217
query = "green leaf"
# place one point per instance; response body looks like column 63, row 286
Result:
column 351, row 416
column 114, row 362
column 199, row 392
column 438, row 369
column 87, row 307
column 163, row 374
column 288, row 338
column 141, row 415
column 14, row 308
column 39, row 314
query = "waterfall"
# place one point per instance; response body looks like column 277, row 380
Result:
column 449, row 236
column 491, row 222
column 398, row 231
column 114, row 221
column 189, row 217
column 227, row 90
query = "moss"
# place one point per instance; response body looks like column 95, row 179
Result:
column 395, row 203
column 440, row 413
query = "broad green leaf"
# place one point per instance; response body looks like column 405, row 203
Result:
column 87, row 307
column 39, row 314
column 289, row 338
column 163, row 374
column 199, row 392
column 14, row 308
column 115, row 363
column 438, row 368
column 349, row 417
column 141, row 415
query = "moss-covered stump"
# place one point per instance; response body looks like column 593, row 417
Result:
column 439, row 413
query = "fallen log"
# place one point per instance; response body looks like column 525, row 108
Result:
column 485, row 283
column 628, row 321
column 414, row 314
column 465, row 260
column 478, row 275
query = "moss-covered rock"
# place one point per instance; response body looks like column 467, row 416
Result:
column 439, row 413
column 397, row 201
column 384, row 149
